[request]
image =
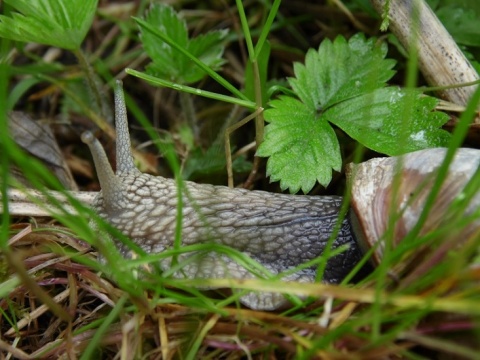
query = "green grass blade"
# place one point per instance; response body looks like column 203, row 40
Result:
column 208, row 94
column 214, row 75
column 246, row 30
column 266, row 28
column 93, row 344
column 4, row 139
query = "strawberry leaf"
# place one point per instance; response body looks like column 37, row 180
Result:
column 343, row 83
column 302, row 147
column 170, row 64
column 166, row 62
column 380, row 118
column 341, row 70
column 209, row 49
column 52, row 22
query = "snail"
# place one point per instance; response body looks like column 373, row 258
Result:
column 373, row 195
column 279, row 231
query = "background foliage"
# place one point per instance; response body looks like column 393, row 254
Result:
column 320, row 71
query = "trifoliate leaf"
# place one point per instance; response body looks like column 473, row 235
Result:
column 391, row 121
column 63, row 24
column 341, row 70
column 169, row 63
column 301, row 146
column 165, row 58
column 343, row 83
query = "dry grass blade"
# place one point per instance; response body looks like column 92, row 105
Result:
column 168, row 331
column 57, row 298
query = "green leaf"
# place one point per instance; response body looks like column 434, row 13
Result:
column 165, row 63
column 302, row 147
column 211, row 163
column 462, row 23
column 169, row 63
column 343, row 83
column 341, row 70
column 391, row 121
column 209, row 49
column 52, row 22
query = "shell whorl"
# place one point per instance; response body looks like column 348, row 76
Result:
column 374, row 196
column 279, row 231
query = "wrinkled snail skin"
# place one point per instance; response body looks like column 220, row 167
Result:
column 279, row 231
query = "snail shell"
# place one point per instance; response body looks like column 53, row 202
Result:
column 374, row 195
column 279, row 231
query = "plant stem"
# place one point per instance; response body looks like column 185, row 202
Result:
column 441, row 61
column 259, row 124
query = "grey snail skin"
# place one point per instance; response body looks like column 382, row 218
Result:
column 279, row 231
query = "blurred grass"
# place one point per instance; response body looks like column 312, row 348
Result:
column 124, row 314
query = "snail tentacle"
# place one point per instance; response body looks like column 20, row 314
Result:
column 111, row 185
column 125, row 163
column 279, row 231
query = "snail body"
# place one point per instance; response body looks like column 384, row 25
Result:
column 279, row 231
